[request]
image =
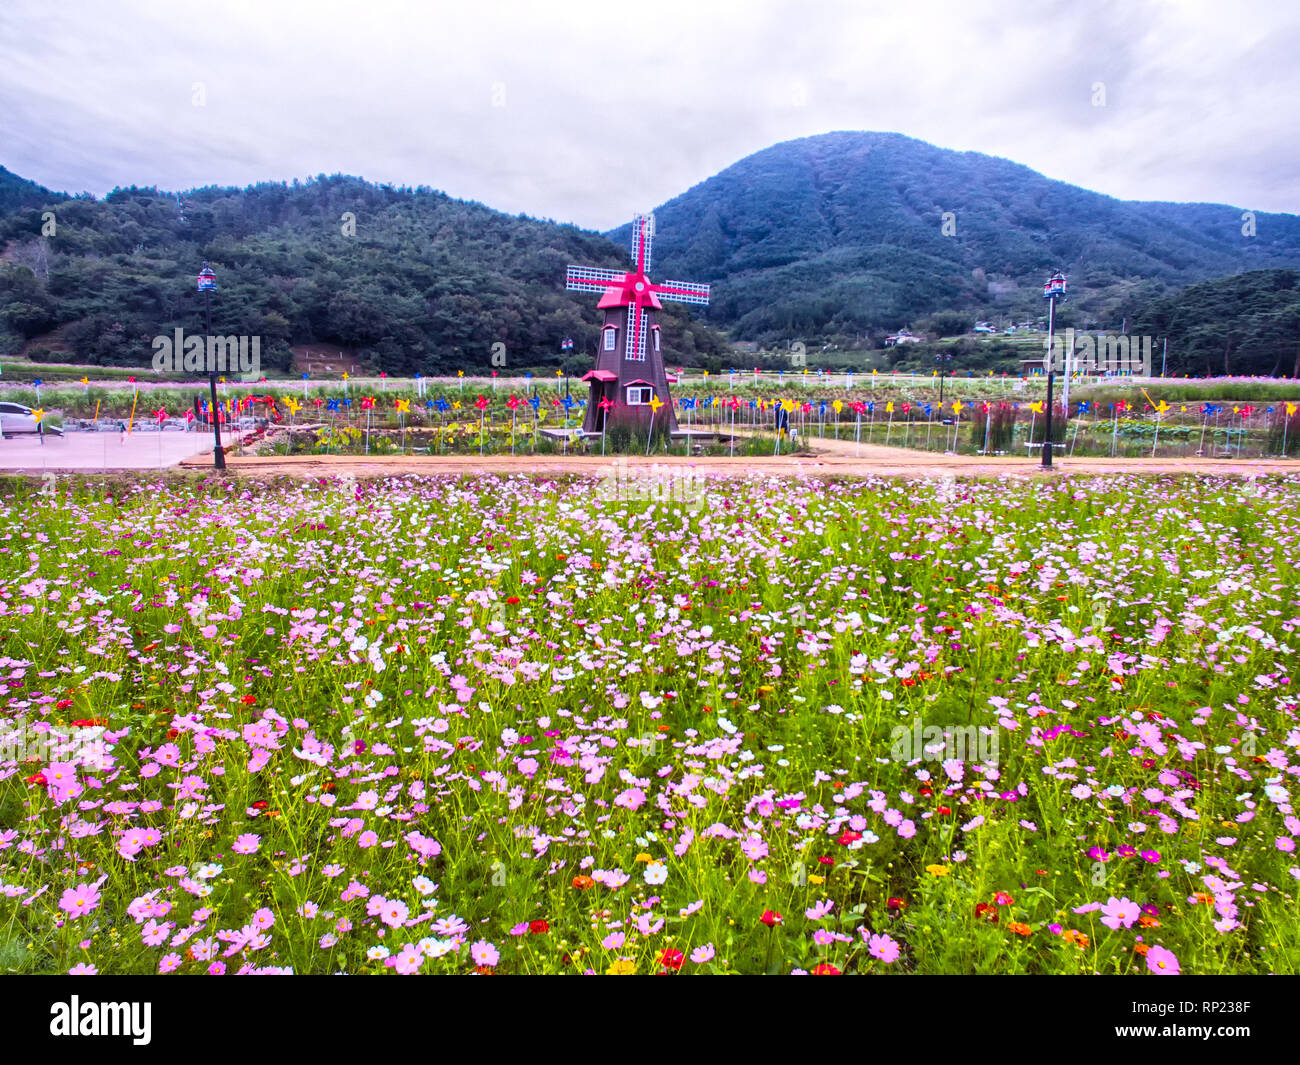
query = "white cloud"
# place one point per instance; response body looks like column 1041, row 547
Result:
column 586, row 111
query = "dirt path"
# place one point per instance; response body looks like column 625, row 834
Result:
column 832, row 459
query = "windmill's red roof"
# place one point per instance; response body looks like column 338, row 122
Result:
column 605, row 375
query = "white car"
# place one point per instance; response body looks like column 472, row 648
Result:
column 16, row 418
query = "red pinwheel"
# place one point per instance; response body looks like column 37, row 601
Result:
column 482, row 402
column 318, row 401
column 160, row 414
column 367, row 402
column 604, row 403
column 513, row 402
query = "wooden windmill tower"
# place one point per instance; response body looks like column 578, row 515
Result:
column 629, row 369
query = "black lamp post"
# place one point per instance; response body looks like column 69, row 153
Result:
column 1052, row 291
column 941, row 358
column 207, row 285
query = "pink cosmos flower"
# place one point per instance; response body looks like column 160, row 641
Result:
column 79, row 900
column 884, row 948
column 246, row 843
column 1119, row 913
column 484, row 953
column 1162, row 962
column 703, row 954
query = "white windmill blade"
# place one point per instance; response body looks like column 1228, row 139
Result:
column 643, row 229
column 636, row 331
column 683, row 292
column 592, row 278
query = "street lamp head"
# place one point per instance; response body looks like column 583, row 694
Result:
column 1055, row 287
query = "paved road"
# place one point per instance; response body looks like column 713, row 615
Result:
column 99, row 452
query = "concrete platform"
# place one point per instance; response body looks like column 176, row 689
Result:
column 91, row 452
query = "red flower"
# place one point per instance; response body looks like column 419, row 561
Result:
column 770, row 918
column 37, row 778
column 248, row 700
column 1003, row 899
column 825, row 969
column 849, row 837
column 671, row 959
column 63, row 704
column 513, row 600
column 537, row 928
column 261, row 804
column 989, row 913
column 943, row 810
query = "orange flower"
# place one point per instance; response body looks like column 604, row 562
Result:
column 1147, row 921
column 1077, row 938
column 1141, row 949
column 1018, row 928
column 583, row 883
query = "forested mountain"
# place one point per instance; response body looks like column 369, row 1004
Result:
column 833, row 239
column 425, row 283
column 831, row 236
column 17, row 193
column 1245, row 324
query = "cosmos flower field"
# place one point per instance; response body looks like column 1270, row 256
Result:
column 508, row 725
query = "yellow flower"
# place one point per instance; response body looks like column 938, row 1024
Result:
column 937, row 870
column 813, row 878
column 622, row 967
column 643, row 857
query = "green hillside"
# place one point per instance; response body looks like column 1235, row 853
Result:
column 829, row 237
column 427, row 283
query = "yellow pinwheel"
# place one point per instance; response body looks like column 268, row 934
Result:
column 655, row 404
column 889, row 407
column 403, row 406
column 1290, row 409
column 292, row 404
column 38, row 414
column 957, row 406
column 837, row 406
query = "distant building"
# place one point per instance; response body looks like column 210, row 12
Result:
column 983, row 327
column 902, row 337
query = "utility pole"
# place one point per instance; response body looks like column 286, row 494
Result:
column 207, row 285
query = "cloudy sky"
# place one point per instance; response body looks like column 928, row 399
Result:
column 588, row 110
